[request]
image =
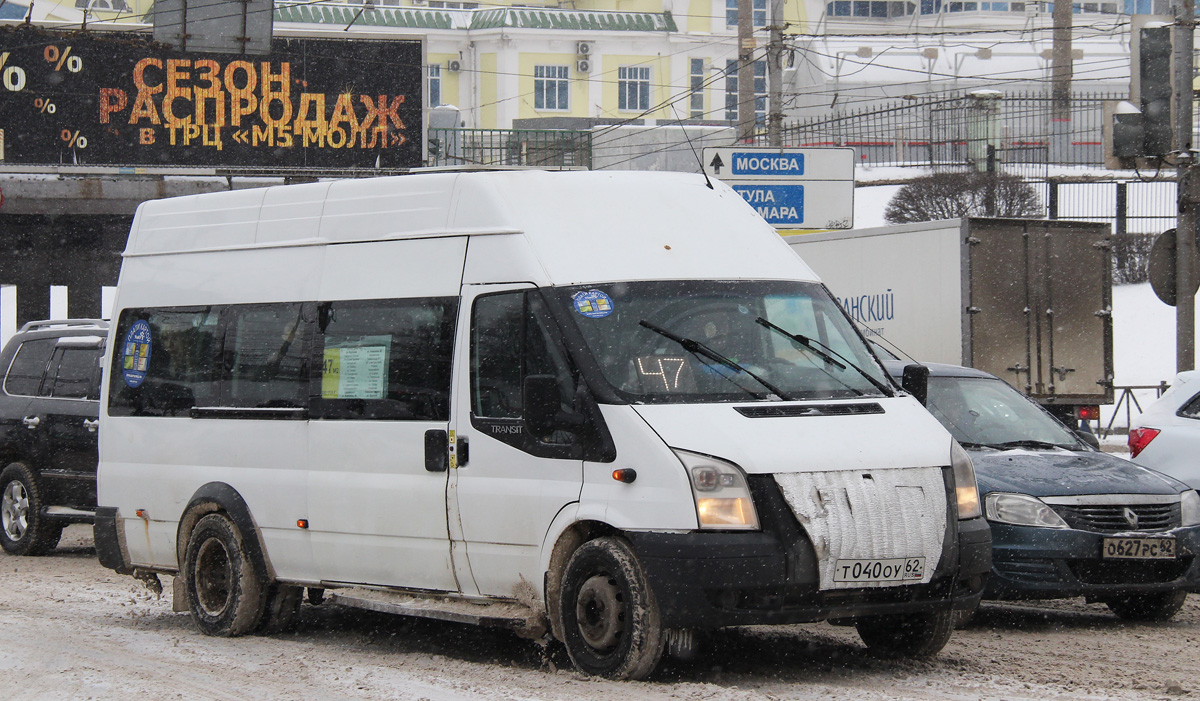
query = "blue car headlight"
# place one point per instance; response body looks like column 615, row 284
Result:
column 1021, row 510
column 1189, row 508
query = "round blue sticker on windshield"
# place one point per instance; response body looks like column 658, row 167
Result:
column 593, row 304
column 135, row 354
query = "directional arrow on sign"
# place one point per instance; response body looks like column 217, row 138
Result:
column 716, row 164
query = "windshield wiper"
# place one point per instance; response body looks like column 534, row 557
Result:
column 1026, row 444
column 698, row 348
column 811, row 344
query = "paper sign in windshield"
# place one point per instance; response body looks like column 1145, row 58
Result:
column 356, row 370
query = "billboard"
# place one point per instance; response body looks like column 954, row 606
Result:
column 121, row 99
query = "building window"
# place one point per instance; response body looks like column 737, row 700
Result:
column 1146, row 7
column 760, row 91
column 696, row 83
column 881, row 9
column 633, row 88
column 550, row 88
column 435, row 84
column 759, row 12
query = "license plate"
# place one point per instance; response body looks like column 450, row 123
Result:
column 1139, row 548
column 899, row 569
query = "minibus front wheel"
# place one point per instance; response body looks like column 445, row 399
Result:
column 610, row 621
column 223, row 590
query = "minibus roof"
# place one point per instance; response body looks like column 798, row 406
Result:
column 583, row 226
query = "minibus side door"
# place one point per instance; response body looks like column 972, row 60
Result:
column 506, row 487
column 377, row 513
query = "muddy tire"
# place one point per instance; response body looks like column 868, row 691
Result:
column 223, row 591
column 1150, row 608
column 316, row 596
column 281, row 611
column 961, row 619
column 916, row 635
column 609, row 618
column 23, row 529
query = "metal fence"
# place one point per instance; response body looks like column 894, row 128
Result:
column 1134, row 206
column 510, row 147
column 954, row 129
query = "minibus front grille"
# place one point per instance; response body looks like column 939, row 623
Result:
column 774, row 412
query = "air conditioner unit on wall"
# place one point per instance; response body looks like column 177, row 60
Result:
column 583, row 65
column 583, row 48
column 453, row 66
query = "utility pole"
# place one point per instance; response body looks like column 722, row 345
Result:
column 775, row 77
column 1188, row 185
column 1060, row 90
column 745, row 70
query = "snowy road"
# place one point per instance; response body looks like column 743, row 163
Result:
column 71, row 629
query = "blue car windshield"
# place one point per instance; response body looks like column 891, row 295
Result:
column 987, row 413
column 723, row 341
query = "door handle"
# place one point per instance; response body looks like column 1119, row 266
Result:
column 437, row 450
column 31, row 421
column 464, row 451
column 91, row 425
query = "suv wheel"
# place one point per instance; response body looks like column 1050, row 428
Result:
column 23, row 529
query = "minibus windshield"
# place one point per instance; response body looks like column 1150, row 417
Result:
column 706, row 340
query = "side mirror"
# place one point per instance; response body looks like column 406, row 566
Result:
column 540, row 398
column 1088, row 437
column 915, row 381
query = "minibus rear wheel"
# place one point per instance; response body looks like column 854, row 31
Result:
column 223, row 591
column 23, row 529
column 907, row 634
column 609, row 618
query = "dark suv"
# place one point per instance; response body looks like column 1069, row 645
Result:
column 49, row 405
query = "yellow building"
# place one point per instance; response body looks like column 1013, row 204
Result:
column 568, row 63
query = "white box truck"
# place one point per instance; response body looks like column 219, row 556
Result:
column 1026, row 300
column 609, row 407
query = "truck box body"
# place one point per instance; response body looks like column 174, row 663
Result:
column 1026, row 300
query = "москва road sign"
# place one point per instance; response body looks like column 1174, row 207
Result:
column 790, row 188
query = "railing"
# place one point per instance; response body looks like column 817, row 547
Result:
column 545, row 148
column 1129, row 400
column 948, row 130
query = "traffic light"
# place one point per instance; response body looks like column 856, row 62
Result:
column 1154, row 74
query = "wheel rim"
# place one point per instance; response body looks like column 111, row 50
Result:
column 14, row 511
column 213, row 576
column 598, row 609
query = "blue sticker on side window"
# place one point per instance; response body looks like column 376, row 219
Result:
column 135, row 354
column 593, row 304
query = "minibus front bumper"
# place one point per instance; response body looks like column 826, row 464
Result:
column 722, row 578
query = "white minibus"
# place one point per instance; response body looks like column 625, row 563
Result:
column 608, row 408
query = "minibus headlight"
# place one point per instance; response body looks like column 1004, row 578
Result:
column 1022, row 510
column 721, row 493
column 966, row 490
column 1189, row 508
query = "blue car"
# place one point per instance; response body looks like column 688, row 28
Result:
column 1067, row 520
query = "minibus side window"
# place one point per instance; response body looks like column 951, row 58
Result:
column 511, row 338
column 28, row 367
column 266, row 357
column 185, row 346
column 384, row 359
